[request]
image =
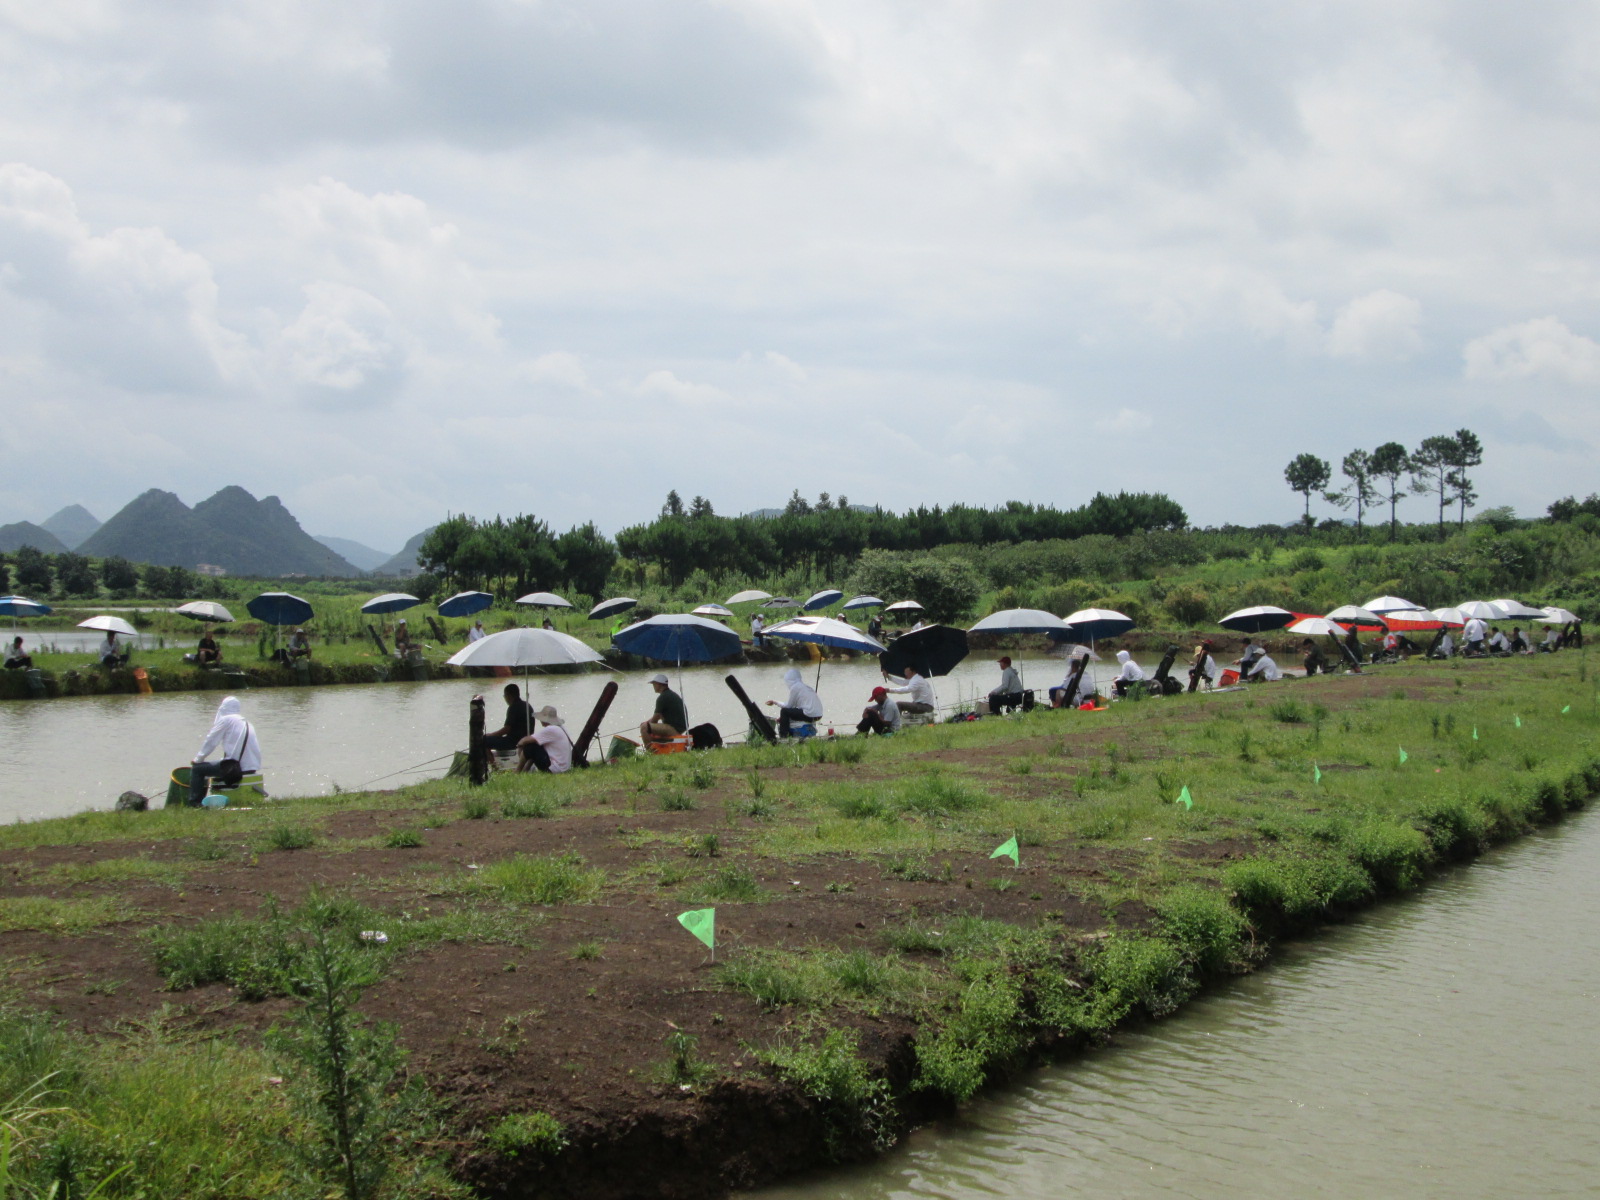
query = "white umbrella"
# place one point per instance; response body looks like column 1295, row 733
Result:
column 1555, row 615
column 1355, row 613
column 109, row 625
column 748, row 596
column 862, row 602
column 543, row 600
column 1515, row 610
column 1021, row 620
column 524, row 647
column 825, row 631
column 904, row 606
column 1317, row 627
column 1481, row 609
column 711, row 610
column 390, row 602
column 204, row 610
column 1384, row 604
column 1450, row 616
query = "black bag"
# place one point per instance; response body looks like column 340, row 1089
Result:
column 705, row 737
column 230, row 771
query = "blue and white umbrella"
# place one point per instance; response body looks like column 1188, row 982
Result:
column 611, row 608
column 1096, row 624
column 280, row 608
column 464, row 604
column 822, row 599
column 678, row 638
column 748, row 596
column 711, row 610
column 21, row 606
column 856, row 602
column 390, row 602
column 825, row 631
column 1022, row 621
column 1259, row 619
column 543, row 600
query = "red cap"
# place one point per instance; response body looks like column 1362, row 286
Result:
column 1006, row 658
column 879, row 693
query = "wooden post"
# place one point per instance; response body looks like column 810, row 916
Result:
column 477, row 753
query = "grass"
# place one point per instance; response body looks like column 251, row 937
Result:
column 534, row 879
column 53, row 915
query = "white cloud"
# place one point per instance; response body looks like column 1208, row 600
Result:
column 665, row 385
column 1124, row 422
column 1379, row 325
column 345, row 343
column 1543, row 348
column 557, row 369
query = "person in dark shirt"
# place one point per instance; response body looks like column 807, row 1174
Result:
column 208, row 654
column 669, row 719
column 519, row 722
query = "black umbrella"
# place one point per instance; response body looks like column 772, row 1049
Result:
column 931, row 650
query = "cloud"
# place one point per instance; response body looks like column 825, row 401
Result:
column 557, row 369
column 345, row 346
column 1379, row 325
column 665, row 385
column 1543, row 348
column 1124, row 422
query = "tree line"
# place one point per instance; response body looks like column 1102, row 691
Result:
column 1437, row 467
column 517, row 555
column 32, row 572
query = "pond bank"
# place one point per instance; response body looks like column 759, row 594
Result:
column 876, row 964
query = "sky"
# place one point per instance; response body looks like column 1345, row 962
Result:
column 389, row 259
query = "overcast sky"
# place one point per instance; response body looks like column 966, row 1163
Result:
column 389, row 258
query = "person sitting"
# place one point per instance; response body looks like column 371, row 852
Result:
column 17, row 659
column 476, row 633
column 550, row 749
column 1074, row 691
column 519, row 721
column 109, row 657
column 1473, row 635
column 1498, row 645
column 1446, row 647
column 915, row 686
column 1391, row 646
column 1519, row 642
column 299, row 645
column 1253, row 651
column 756, row 626
column 1352, row 649
column 1008, row 695
column 235, row 738
column 670, row 718
column 1314, row 660
column 803, row 703
column 1264, row 670
column 1551, row 642
column 881, row 716
column 1129, row 673
column 208, row 653
column 1202, row 667
column 875, row 627
column 403, row 645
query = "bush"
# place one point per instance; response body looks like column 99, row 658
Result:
column 858, row 1109
column 1208, row 930
column 947, row 588
column 535, row 1133
column 1454, row 827
column 1394, row 855
column 1188, row 604
column 1297, row 889
column 984, row 1030
column 1128, row 972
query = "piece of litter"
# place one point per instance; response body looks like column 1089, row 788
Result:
column 472, row 866
column 1149, row 839
column 374, row 935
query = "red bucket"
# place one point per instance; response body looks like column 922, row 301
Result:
column 1229, row 678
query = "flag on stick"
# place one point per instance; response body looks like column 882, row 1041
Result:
column 702, row 922
column 1008, row 849
column 1566, row 710
column 1184, row 798
column 1316, row 773
column 1519, row 720
column 1403, row 755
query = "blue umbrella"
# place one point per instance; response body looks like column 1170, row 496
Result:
column 825, row 631
column 610, row 608
column 678, row 638
column 21, row 606
column 279, row 608
column 1093, row 624
column 1260, row 619
column 822, row 599
column 862, row 602
column 464, row 604
column 390, row 602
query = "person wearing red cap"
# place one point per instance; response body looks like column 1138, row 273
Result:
column 1009, row 694
column 882, row 715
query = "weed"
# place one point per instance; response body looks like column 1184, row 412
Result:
column 707, row 845
column 939, row 795
column 1020, row 766
column 475, row 808
column 1246, row 752
column 1297, row 888
column 767, row 977
column 702, row 775
column 758, row 785
column 206, row 849
column 1207, row 929
column 59, row 916
column 587, row 951
column 675, row 800
column 403, row 839
column 849, row 750
column 733, row 883
column 282, row 835
column 683, row 1068
column 757, row 807
column 858, row 1109
column 862, row 806
column 910, row 869
column 984, row 1029
column 548, row 879
column 539, row 807
column 537, row 1134
column 671, row 874
column 1288, row 712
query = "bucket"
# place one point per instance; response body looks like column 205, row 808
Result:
column 621, row 747
column 36, row 687
column 1229, row 678
column 178, row 788
column 141, row 680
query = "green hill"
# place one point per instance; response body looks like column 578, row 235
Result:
column 404, row 565
column 74, row 525
column 26, row 533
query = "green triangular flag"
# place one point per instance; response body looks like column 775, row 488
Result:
column 1008, row 849
column 1184, row 798
column 1567, row 709
column 702, row 922
column 1519, row 720
column 1403, row 754
column 1316, row 773
column 1474, row 733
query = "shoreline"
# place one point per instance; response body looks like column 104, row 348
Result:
column 965, row 969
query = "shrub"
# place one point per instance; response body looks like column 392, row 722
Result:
column 1129, row 971
column 535, row 1133
column 1454, row 827
column 1297, row 888
column 1393, row 854
column 983, row 1030
column 858, row 1109
column 1207, row 929
column 284, row 836
column 403, row 839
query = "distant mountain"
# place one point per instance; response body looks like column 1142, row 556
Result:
column 26, row 533
column 404, row 564
column 74, row 525
column 232, row 529
column 362, row 556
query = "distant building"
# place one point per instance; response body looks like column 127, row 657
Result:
column 210, row 569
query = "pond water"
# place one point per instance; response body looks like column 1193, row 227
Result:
column 64, row 755
column 1442, row 1046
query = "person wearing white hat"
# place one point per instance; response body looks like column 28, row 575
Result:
column 670, row 718
column 476, row 633
column 548, row 750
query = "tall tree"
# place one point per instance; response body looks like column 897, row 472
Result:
column 700, row 507
column 1389, row 462
column 674, row 505
column 1430, row 471
column 1357, row 468
column 1467, row 455
column 797, row 506
column 1307, row 474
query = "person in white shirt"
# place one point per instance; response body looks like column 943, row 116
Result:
column 756, row 626
column 882, row 715
column 1129, row 673
column 803, row 703
column 476, row 633
column 549, row 749
column 1552, row 641
column 1083, row 690
column 917, row 687
column 1472, row 634
column 1009, row 694
column 1446, row 647
column 1202, row 667
column 1265, row 671
column 109, row 656
column 235, row 738
column 18, row 659
column 1498, row 643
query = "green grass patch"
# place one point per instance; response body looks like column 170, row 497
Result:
column 50, row 915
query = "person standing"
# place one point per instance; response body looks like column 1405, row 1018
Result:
column 882, row 714
column 550, row 749
column 670, row 718
column 803, row 703
column 918, row 688
column 235, row 738
column 519, row 721
column 1008, row 695
column 875, row 628
column 756, row 626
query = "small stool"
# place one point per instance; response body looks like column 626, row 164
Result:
column 911, row 718
column 802, row 729
column 678, row 745
column 249, row 788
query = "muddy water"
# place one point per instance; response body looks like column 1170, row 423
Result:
column 62, row 756
column 1443, row 1046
